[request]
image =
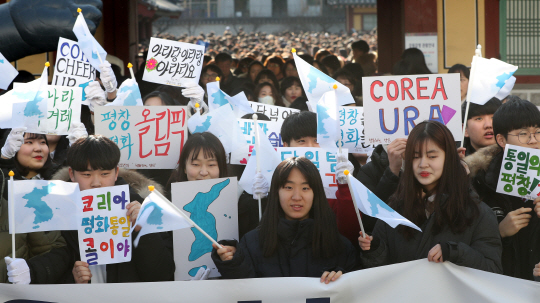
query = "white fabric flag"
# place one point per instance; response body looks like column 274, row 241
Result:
column 157, row 215
column 269, row 160
column 316, row 83
column 372, row 206
column 217, row 98
column 128, row 94
column 7, row 72
column 328, row 131
column 507, row 88
column 45, row 205
column 240, row 105
column 88, row 44
column 488, row 77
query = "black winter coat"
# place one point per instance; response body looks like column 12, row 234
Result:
column 517, row 257
column 294, row 256
column 151, row 261
column 478, row 247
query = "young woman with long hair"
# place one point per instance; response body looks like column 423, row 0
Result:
column 434, row 193
column 298, row 235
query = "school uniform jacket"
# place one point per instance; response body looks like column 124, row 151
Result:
column 293, row 258
column 151, row 261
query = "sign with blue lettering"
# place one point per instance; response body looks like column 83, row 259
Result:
column 351, row 124
column 393, row 105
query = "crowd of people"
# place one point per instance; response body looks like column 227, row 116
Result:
column 448, row 192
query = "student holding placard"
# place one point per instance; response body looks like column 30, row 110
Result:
column 516, row 122
column 298, row 234
column 434, row 194
column 39, row 255
column 93, row 163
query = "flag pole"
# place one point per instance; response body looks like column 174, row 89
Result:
column 130, row 66
column 477, row 53
column 12, row 206
column 152, row 189
column 339, row 130
column 257, row 143
column 346, row 172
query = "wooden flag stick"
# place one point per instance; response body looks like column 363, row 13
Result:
column 12, row 206
column 152, row 189
column 478, row 53
column 130, row 66
column 346, row 172
column 257, row 144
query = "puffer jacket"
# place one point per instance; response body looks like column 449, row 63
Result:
column 44, row 252
column 293, row 258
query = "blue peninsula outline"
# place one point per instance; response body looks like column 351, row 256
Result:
column 35, row 200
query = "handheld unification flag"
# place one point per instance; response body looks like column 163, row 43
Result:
column 45, row 205
column 316, row 83
column 328, row 131
column 372, row 206
column 7, row 72
column 128, row 94
column 88, row 44
column 217, row 98
column 157, row 215
column 488, row 78
column 223, row 124
column 269, row 157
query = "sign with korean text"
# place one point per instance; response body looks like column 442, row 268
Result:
column 72, row 68
column 520, row 172
column 104, row 236
column 274, row 112
column 148, row 137
column 428, row 44
column 351, row 123
column 393, row 105
column 213, row 205
column 172, row 62
column 324, row 159
column 52, row 112
column 270, row 128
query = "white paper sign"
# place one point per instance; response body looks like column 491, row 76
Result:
column 324, row 159
column 351, row 123
column 274, row 112
column 270, row 128
column 7, row 72
column 104, row 227
column 148, row 137
column 172, row 62
column 520, row 172
column 427, row 43
column 393, row 105
column 56, row 116
column 72, row 68
column 213, row 205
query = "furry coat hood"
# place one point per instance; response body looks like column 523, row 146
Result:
column 136, row 181
column 481, row 159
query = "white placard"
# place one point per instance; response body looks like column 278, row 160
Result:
column 274, row 112
column 172, row 62
column 427, row 43
column 393, row 105
column 104, row 236
column 149, row 137
column 324, row 159
column 351, row 124
column 520, row 172
column 213, row 205
column 270, row 128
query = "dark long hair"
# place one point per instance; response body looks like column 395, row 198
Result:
column 415, row 60
column 454, row 206
column 45, row 170
column 275, row 93
column 209, row 145
column 326, row 239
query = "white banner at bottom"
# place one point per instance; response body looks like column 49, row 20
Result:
column 416, row 281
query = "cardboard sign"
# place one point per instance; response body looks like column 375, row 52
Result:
column 393, row 105
column 172, row 62
column 324, row 159
column 104, row 236
column 53, row 117
column 213, row 205
column 270, row 128
column 274, row 112
column 72, row 68
column 351, row 123
column 148, row 137
column 520, row 172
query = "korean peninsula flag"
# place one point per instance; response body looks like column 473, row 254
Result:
column 372, row 206
column 128, row 94
column 7, row 72
column 316, row 83
column 88, row 43
column 328, row 131
column 488, row 78
column 217, row 98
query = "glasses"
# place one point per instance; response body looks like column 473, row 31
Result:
column 525, row 137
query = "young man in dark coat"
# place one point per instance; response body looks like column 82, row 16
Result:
column 517, row 123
